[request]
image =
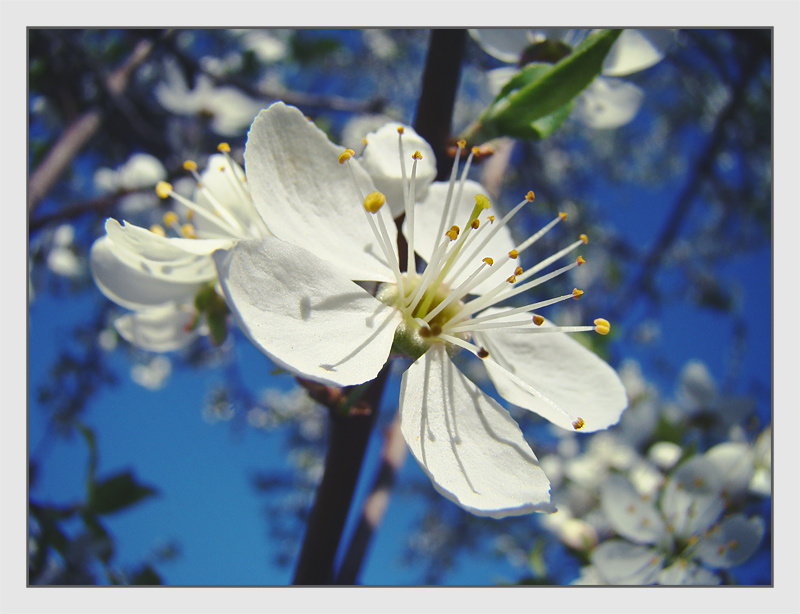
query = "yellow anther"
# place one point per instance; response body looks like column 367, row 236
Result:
column 578, row 424
column 518, row 271
column 190, row 215
column 417, row 155
column 513, row 254
column 580, row 260
column 584, row 238
column 476, row 151
column 190, row 165
column 488, row 260
column 345, row 156
column 453, row 233
column 364, row 140
column 482, row 201
column 400, row 130
column 224, row 148
column 538, row 320
column 483, row 353
column 602, row 326
column 563, row 216
column 163, row 189
column 462, row 143
column 576, row 293
column 170, row 218
column 692, row 540
column 158, row 230
column 512, row 280
column 530, row 196
column 188, row 231
column 490, row 218
column 374, row 201
column 475, row 223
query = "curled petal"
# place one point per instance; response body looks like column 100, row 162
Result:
column 134, row 288
column 468, row 445
column 184, row 260
column 554, row 376
column 304, row 313
column 301, row 190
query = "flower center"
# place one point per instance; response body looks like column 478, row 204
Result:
column 436, row 303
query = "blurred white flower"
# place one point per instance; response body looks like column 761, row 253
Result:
column 664, row 454
column 229, row 110
column 153, row 374
column 61, row 258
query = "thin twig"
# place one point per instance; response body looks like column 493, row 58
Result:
column 77, row 134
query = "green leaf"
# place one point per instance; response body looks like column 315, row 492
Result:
column 89, row 436
column 543, row 92
column 116, row 493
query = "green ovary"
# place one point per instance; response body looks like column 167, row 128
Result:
column 411, row 338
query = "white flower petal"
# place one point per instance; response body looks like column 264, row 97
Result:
column 551, row 372
column 470, row 447
column 503, row 43
column 427, row 217
column 498, row 77
column 620, row 562
column 141, row 171
column 307, row 198
column 381, row 159
column 691, row 500
column 161, row 329
column 735, row 462
column 181, row 260
column 608, row 103
column 630, row 515
column 636, row 50
column 133, row 288
column 732, row 542
column 685, row 573
column 304, row 313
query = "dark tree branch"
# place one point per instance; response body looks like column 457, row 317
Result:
column 348, row 437
column 439, row 85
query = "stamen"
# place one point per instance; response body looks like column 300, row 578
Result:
column 488, row 261
column 188, row 231
column 514, row 254
column 224, row 148
column 456, row 294
column 158, row 230
column 374, row 201
column 578, row 424
column 538, row 320
column 551, row 259
column 576, row 294
column 453, row 233
column 602, row 326
column 164, row 190
column 580, row 260
column 475, row 323
column 584, row 239
column 483, row 353
column 190, row 165
column 451, row 184
column 411, row 264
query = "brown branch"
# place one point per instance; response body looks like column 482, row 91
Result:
column 392, row 459
column 347, row 443
column 78, row 134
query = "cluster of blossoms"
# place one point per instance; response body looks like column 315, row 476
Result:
column 644, row 510
column 297, row 290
